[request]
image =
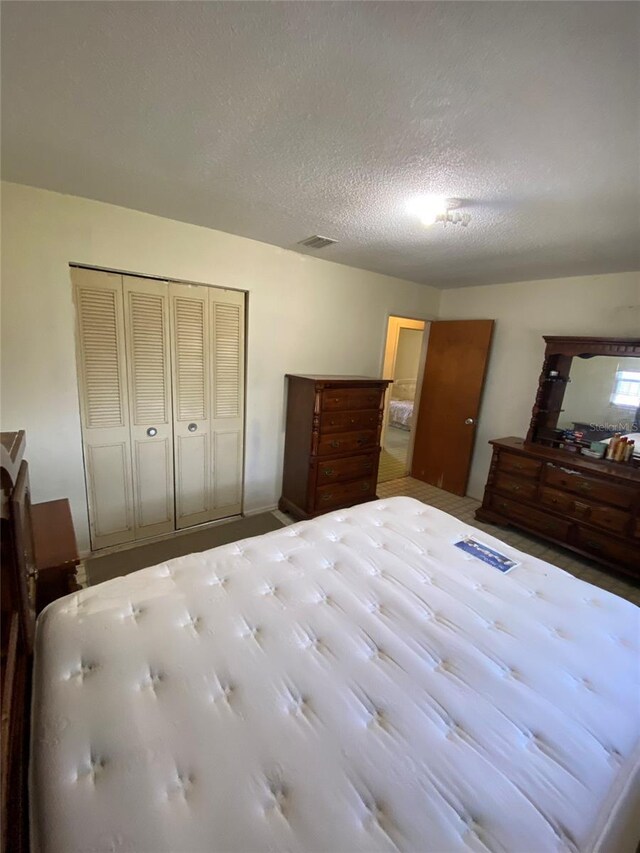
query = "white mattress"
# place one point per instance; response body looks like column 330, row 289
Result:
column 353, row 683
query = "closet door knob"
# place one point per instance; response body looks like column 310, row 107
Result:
column 192, row 427
column 152, row 431
column 469, row 421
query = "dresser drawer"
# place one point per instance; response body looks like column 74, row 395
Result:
column 349, row 468
column 344, row 493
column 347, row 442
column 536, row 520
column 513, row 486
column 611, row 519
column 607, row 548
column 514, row 464
column 588, row 487
column 348, row 421
column 568, row 504
column 353, row 398
column 558, row 501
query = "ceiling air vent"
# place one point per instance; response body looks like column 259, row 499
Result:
column 317, row 242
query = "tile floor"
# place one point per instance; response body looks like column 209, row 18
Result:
column 393, row 459
column 464, row 509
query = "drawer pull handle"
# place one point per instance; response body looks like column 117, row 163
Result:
column 368, row 466
column 353, row 420
column 327, row 497
column 515, row 488
column 365, row 487
column 335, row 444
column 328, row 472
column 591, row 544
column 362, row 441
column 584, row 485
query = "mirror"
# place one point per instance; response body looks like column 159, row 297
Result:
column 602, row 398
column 588, row 391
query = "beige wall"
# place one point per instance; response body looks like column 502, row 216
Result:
column 408, row 354
column 304, row 315
column 524, row 312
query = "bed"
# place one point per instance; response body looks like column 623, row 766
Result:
column 403, row 392
column 351, row 683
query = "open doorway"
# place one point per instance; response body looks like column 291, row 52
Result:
column 403, row 360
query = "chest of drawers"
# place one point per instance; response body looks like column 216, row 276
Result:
column 589, row 506
column 332, row 442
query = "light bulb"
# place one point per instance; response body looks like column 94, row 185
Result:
column 428, row 208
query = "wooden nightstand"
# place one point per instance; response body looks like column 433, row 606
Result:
column 56, row 551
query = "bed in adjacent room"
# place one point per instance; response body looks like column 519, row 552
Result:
column 352, row 683
column 403, row 392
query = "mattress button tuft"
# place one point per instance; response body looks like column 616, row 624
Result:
column 193, row 622
column 278, row 796
column 181, row 786
column 91, row 769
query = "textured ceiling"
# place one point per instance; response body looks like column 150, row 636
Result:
column 281, row 120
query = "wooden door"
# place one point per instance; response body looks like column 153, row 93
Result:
column 454, row 376
column 104, row 405
column 226, row 311
column 146, row 304
column 191, row 403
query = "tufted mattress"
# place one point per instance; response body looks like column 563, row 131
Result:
column 352, row 683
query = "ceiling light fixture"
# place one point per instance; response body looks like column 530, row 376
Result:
column 436, row 208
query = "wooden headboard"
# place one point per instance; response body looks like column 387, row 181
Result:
column 18, row 627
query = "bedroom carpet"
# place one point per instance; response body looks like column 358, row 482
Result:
column 108, row 566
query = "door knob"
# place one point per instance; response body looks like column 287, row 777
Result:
column 469, row 421
column 192, row 427
column 152, row 431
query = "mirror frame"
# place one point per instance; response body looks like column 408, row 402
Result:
column 558, row 357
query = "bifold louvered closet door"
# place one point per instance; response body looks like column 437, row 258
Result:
column 208, row 369
column 161, row 373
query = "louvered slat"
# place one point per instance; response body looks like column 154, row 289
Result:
column 226, row 321
column 190, row 355
column 147, row 358
column 100, row 349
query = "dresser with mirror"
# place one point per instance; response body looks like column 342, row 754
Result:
column 556, row 482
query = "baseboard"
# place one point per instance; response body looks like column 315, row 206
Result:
column 260, row 510
column 173, row 534
column 85, row 555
